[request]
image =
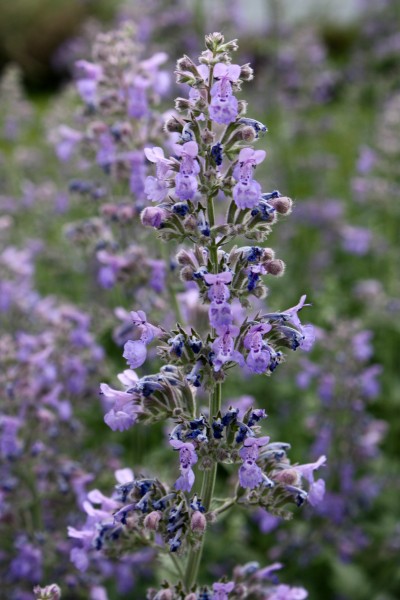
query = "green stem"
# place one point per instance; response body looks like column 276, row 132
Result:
column 207, row 492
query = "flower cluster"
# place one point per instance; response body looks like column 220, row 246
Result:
column 121, row 93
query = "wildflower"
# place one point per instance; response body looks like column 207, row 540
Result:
column 221, row 590
column 186, row 181
column 247, row 191
column 87, row 84
column 250, row 474
column 135, row 353
column 317, row 488
column 224, row 347
column 224, row 105
column 156, row 188
column 187, row 457
column 259, row 357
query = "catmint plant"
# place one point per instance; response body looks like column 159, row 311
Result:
column 213, row 161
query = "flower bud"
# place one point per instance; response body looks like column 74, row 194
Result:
column 186, row 64
column 182, row 77
column 96, row 128
column 246, row 72
column 268, row 254
column 207, row 136
column 182, row 104
column 231, row 46
column 183, row 257
column 201, row 104
column 190, row 223
column 275, row 267
column 242, row 107
column 173, row 125
column 214, row 40
column 282, row 205
column 191, row 596
column 152, row 520
column 186, row 274
column 153, row 216
column 198, row 522
column 206, row 463
column 287, row 476
column 260, row 292
column 247, row 134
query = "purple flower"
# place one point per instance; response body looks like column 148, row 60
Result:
column 224, row 347
column 224, row 105
column 285, row 592
column 153, row 216
column 316, row 488
column 156, row 188
column 369, row 384
column 221, row 590
column 87, row 85
column 135, row 353
column 67, row 140
column 361, row 345
column 307, row 331
column 250, row 474
column 187, row 457
column 247, row 191
column 220, row 315
column 259, row 356
column 138, row 173
column 10, row 445
column 186, row 183
column 356, row 240
column 158, row 275
column 138, row 105
column 219, row 291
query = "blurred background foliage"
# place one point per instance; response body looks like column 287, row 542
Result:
column 327, row 76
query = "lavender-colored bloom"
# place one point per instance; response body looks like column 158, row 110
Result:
column 135, row 353
column 220, row 315
column 138, row 173
column 356, row 240
column 10, row 445
column 369, row 384
column 361, row 345
column 224, row 348
column 186, row 183
column 158, row 275
column 28, row 563
column 259, row 356
column 221, row 590
column 106, row 153
column 366, row 160
column 138, row 105
column 285, row 592
column 153, row 216
column 224, row 106
column 187, row 457
column 87, row 85
column 247, row 191
column 219, row 291
column 316, row 488
column 67, row 140
column 250, row 474
column 98, row 593
column 106, row 277
column 156, row 187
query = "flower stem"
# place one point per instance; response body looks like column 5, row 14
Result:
column 207, row 492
